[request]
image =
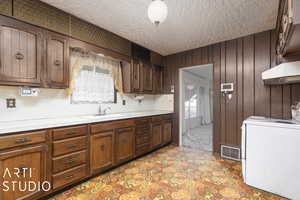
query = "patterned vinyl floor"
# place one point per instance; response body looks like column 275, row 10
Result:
column 170, row 173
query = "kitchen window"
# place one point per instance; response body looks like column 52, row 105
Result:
column 95, row 78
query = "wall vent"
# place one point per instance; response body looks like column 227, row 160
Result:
column 231, row 153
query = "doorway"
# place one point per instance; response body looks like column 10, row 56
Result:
column 196, row 107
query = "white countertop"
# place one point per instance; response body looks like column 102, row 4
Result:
column 36, row 124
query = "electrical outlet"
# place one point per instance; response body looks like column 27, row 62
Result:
column 29, row 92
column 124, row 102
column 10, row 103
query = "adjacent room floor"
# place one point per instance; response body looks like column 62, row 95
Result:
column 170, row 173
column 199, row 138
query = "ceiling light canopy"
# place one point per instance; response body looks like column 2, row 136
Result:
column 157, row 11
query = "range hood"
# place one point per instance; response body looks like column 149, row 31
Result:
column 285, row 73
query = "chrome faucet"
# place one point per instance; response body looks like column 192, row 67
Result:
column 103, row 112
column 99, row 110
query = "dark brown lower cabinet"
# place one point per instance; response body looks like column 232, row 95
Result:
column 124, row 144
column 167, row 131
column 64, row 156
column 22, row 165
column 102, row 151
column 142, row 136
column 156, row 134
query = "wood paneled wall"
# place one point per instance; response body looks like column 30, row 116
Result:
column 240, row 61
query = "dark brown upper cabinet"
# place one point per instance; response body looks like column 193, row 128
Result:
column 57, row 64
column 157, row 79
column 140, row 53
column 132, row 76
column 288, row 31
column 168, row 85
column 147, row 77
column 136, row 76
column 21, row 53
column 31, row 56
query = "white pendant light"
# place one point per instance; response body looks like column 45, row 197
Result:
column 157, row 11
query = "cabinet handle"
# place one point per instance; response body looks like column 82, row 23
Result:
column 57, row 63
column 69, row 161
column 19, row 56
column 22, row 140
column 102, row 147
column 71, row 145
column 122, row 130
column 71, row 132
column 70, row 176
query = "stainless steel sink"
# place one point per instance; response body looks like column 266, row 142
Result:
column 105, row 116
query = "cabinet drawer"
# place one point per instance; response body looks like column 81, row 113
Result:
column 141, row 132
column 143, row 121
column 69, row 145
column 167, row 117
column 156, row 118
column 69, row 176
column 69, row 132
column 142, row 140
column 22, row 139
column 68, row 161
column 108, row 126
column 141, row 149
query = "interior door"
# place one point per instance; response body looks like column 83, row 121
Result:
column 102, row 151
column 20, row 53
column 124, row 144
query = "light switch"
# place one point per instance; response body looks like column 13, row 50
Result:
column 10, row 103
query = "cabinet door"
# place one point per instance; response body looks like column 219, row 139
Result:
column 124, row 144
column 57, row 61
column 167, row 132
column 20, row 49
column 167, row 79
column 147, row 77
column 102, row 151
column 156, row 135
column 157, row 79
column 136, row 84
column 22, row 165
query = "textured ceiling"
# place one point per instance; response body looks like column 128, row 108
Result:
column 190, row 23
